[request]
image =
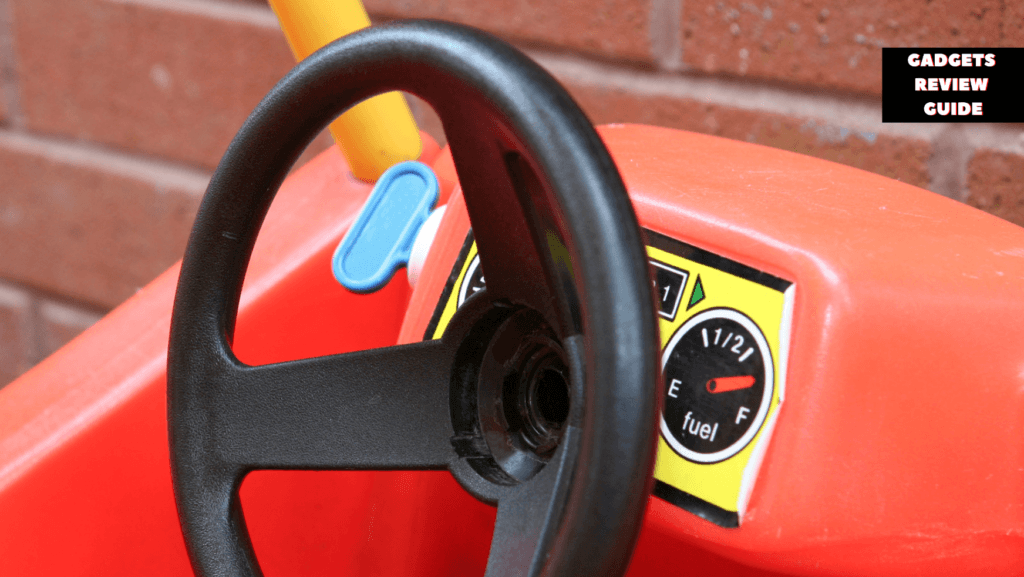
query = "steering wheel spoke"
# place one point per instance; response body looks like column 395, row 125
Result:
column 383, row 409
column 516, row 227
column 522, row 542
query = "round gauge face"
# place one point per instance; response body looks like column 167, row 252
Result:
column 473, row 281
column 719, row 381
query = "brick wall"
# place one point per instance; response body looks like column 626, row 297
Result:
column 113, row 113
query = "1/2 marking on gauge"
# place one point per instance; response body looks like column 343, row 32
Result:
column 725, row 344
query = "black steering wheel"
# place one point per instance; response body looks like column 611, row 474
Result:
column 542, row 397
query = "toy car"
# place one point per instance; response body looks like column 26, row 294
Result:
column 816, row 370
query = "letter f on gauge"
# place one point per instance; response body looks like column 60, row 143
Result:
column 742, row 414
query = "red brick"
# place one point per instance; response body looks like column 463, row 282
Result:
column 616, row 29
column 17, row 352
column 832, row 43
column 1013, row 24
column 322, row 142
column 900, row 158
column 427, row 119
column 7, row 88
column 59, row 323
column 995, row 184
column 166, row 82
column 87, row 224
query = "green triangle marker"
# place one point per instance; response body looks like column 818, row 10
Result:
column 697, row 295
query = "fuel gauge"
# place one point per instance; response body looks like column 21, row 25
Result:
column 719, row 381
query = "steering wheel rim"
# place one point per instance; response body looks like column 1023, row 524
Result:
column 551, row 217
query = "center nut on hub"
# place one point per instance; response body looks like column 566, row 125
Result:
column 535, row 395
column 522, row 394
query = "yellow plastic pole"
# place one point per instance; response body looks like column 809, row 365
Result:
column 376, row 133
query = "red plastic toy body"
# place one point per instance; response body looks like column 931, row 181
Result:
column 897, row 451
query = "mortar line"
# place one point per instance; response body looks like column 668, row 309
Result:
column 951, row 153
column 36, row 331
column 162, row 174
column 665, row 33
column 260, row 16
column 9, row 89
column 14, row 296
column 45, row 295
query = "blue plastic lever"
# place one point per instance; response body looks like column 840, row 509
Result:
column 381, row 238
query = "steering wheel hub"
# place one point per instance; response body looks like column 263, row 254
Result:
column 514, row 399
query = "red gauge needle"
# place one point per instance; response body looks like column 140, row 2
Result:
column 726, row 384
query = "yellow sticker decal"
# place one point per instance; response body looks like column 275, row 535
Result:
column 466, row 279
column 724, row 359
column 724, row 337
